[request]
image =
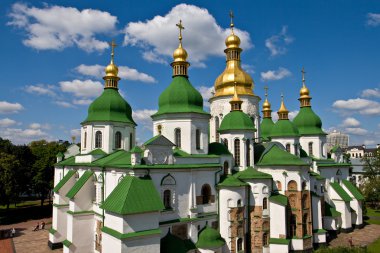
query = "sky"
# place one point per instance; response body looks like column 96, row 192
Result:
column 53, row 55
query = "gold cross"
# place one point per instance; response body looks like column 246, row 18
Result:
column 266, row 90
column 180, row 27
column 303, row 75
column 113, row 45
column 232, row 21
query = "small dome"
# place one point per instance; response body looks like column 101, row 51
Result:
column 284, row 128
column 236, row 120
column 266, row 105
column 232, row 41
column 180, row 54
column 209, row 238
column 266, row 128
column 111, row 70
column 308, row 123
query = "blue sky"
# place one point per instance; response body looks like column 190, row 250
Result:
column 53, row 56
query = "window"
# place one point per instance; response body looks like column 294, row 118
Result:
column 292, row 186
column 177, row 137
column 239, row 202
column 265, row 240
column 85, row 140
column 304, row 185
column 98, row 139
column 225, row 142
column 248, row 151
column 225, row 168
column 216, row 129
column 206, row 194
column 159, row 129
column 293, row 225
column 288, row 147
column 279, row 185
column 237, row 152
column 130, row 141
column 239, row 244
column 265, row 203
column 304, row 224
column 310, row 148
column 265, row 190
column 118, row 140
column 167, row 199
column 197, row 139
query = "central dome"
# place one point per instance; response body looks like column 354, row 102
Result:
column 236, row 120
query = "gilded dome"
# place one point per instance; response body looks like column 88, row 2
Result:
column 232, row 41
column 266, row 105
column 111, row 69
column 180, row 54
column 304, row 92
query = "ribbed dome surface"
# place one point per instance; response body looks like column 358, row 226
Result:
column 236, row 120
column 110, row 106
column 307, row 122
column 284, row 128
column 209, row 238
column 180, row 96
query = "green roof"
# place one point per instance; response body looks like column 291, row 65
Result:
column 64, row 180
column 173, row 244
column 307, row 122
column 209, row 238
column 119, row 158
column 251, row 173
column 180, row 153
column 279, row 199
column 110, row 106
column 274, row 155
column 354, row 191
column 316, row 175
column 97, row 151
column 331, row 211
column 303, row 153
column 340, row 191
column 79, row 184
column 279, row 241
column 266, row 127
column 121, row 236
column 231, row 181
column 180, row 97
column 216, row 148
column 67, row 161
column 136, row 149
column 236, row 120
column 133, row 195
column 284, row 128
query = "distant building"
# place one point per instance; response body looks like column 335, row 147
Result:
column 337, row 138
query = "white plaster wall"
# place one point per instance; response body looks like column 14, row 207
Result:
column 317, row 212
column 111, row 244
column 296, row 173
column 329, row 223
column 80, row 231
column 318, row 145
column 114, row 221
column 259, row 189
column 59, row 221
column 279, row 248
column 278, row 221
column 293, row 141
column 319, row 238
column 357, row 218
column 344, row 209
column 83, row 199
column 296, row 244
column 330, row 173
column 140, row 222
column 148, row 244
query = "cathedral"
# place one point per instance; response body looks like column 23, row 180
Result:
column 228, row 181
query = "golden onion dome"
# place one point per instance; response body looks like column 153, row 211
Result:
column 111, row 69
column 304, row 92
column 232, row 41
column 266, row 105
column 180, row 54
column 282, row 107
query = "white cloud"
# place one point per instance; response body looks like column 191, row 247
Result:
column 6, row 107
column 6, row 122
column 56, row 27
column 39, row 126
column 274, row 75
column 373, row 19
column 84, row 89
column 207, row 93
column 356, row 131
column 359, row 105
column 248, row 68
column 76, row 134
column 64, row 104
column 82, row 101
column 143, row 116
column 41, row 89
column 369, row 142
column 371, row 93
column 292, row 115
column 350, row 122
column 202, row 36
column 124, row 73
column 277, row 43
column 23, row 136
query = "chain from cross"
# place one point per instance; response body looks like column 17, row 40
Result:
column 180, row 27
column 232, row 21
column 112, row 45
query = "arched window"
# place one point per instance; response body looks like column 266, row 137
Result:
column 265, row 203
column 239, row 244
column 279, row 185
column 159, row 129
column 225, row 168
column 177, row 137
column 98, row 139
column 304, row 185
column 225, row 142
column 248, row 151
column 197, row 139
column 130, row 141
column 206, row 194
column 239, row 202
column 167, row 199
column 265, row 239
column 118, row 140
column 292, row 185
column 304, row 224
column 85, row 140
column 216, row 129
column 310, row 148
column 288, row 147
column 237, row 152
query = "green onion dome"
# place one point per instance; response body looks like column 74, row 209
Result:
column 110, row 106
column 172, row 244
column 236, row 120
column 307, row 122
column 180, row 97
column 266, row 127
column 209, row 238
column 284, row 128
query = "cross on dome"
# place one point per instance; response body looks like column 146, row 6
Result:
column 180, row 27
column 112, row 45
column 232, row 22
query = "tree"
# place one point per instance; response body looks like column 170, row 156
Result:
column 43, row 166
column 9, row 187
column 371, row 186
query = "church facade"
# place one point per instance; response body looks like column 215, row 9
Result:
column 229, row 180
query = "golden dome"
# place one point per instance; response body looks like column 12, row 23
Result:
column 304, row 91
column 232, row 41
column 282, row 107
column 266, row 104
column 111, row 69
column 180, row 54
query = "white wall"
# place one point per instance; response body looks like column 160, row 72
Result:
column 318, row 143
column 81, row 232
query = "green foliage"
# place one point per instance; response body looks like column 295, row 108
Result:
column 371, row 187
column 374, row 247
column 9, row 165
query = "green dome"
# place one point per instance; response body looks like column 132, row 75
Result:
column 236, row 120
column 209, row 238
column 110, row 106
column 308, row 123
column 172, row 244
column 180, row 96
column 284, row 128
column 266, row 127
